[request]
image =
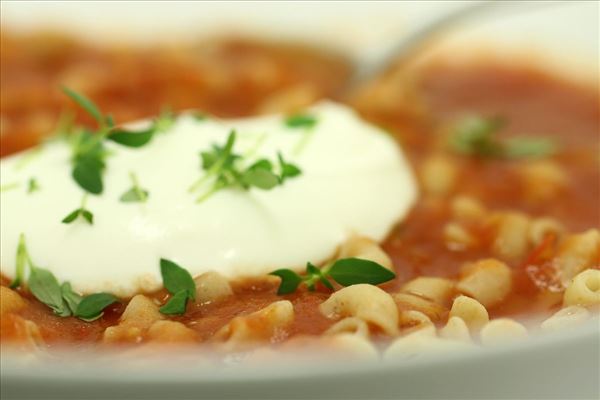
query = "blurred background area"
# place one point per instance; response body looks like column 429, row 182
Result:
column 137, row 59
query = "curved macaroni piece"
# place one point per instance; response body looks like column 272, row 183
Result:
column 512, row 235
column 423, row 342
column 408, row 301
column 265, row 325
column 138, row 317
column 412, row 321
column 438, row 175
column 367, row 249
column 488, row 281
column 171, row 332
column 576, row 253
column 347, row 345
column 348, row 325
column 10, row 301
column 542, row 179
column 467, row 208
column 584, row 290
column 568, row 317
column 456, row 329
column 439, row 290
column 471, row 311
column 23, row 334
column 502, row 330
column 366, row 302
column 212, row 287
column 541, row 227
column 457, row 237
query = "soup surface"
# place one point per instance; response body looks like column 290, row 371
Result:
column 514, row 233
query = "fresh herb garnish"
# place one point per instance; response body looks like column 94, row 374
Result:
column 136, row 193
column 478, row 136
column 70, row 296
column 80, row 212
column 346, row 272
column 89, row 106
column 32, row 185
column 180, row 284
column 45, row 287
column 88, row 151
column 60, row 298
column 131, row 138
column 223, row 165
column 301, row 121
column 91, row 307
column 88, row 158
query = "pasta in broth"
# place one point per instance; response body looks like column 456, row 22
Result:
column 506, row 227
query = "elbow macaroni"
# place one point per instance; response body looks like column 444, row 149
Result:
column 261, row 326
column 211, row 287
column 367, row 302
column 584, row 289
column 488, row 281
column 502, row 330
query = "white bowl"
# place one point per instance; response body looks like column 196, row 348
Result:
column 564, row 38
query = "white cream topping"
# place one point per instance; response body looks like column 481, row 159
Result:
column 355, row 180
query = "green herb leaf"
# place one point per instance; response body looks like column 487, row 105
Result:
column 133, row 196
column 72, row 216
column 88, row 174
column 130, row 138
column 300, row 121
column 44, row 286
column 32, row 185
column 221, row 164
column 261, row 178
column 351, row 271
column 318, row 274
column 477, row 136
column 21, row 262
column 87, row 104
column 529, row 147
column 176, row 304
column 288, row 170
column 136, row 193
column 176, row 278
column 71, row 298
column 91, row 307
column 289, row 281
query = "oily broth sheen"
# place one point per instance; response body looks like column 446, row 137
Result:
column 532, row 102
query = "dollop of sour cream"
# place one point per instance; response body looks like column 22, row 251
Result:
column 355, row 181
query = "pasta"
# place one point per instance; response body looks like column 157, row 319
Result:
column 171, row 332
column 10, row 301
column 439, row 290
column 351, row 325
column 408, row 301
column 261, row 326
column 576, row 253
column 567, row 317
column 139, row 315
column 211, row 287
column 470, row 311
column 502, row 330
column 366, row 302
column 488, row 281
column 456, row 329
column 512, row 230
column 584, row 290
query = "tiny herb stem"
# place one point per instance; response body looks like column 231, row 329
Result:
column 136, row 186
column 261, row 139
column 303, row 142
